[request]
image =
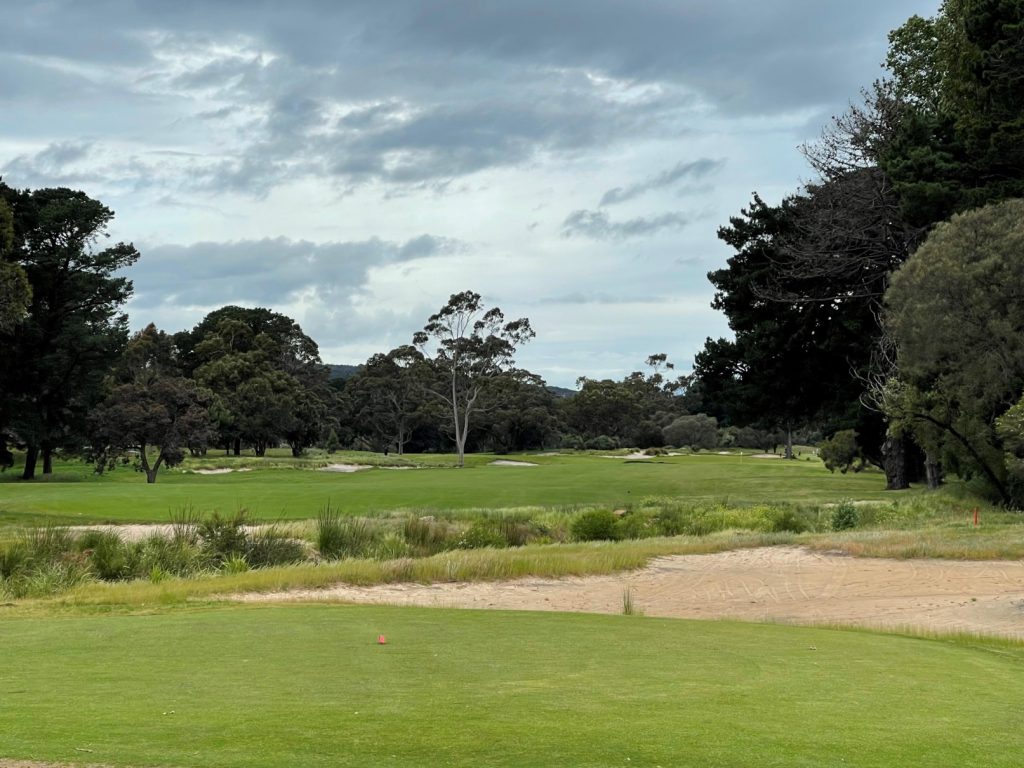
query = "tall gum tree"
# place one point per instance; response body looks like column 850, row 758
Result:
column 471, row 347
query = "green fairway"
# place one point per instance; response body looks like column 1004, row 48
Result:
column 308, row 685
column 290, row 493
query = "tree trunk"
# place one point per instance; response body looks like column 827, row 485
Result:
column 259, row 448
column 932, row 470
column 296, row 449
column 894, row 463
column 47, row 460
column 238, row 446
column 31, row 456
column 151, row 475
column 789, row 443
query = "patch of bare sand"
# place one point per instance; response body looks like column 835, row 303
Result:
column 507, row 463
column 783, row 584
column 345, row 467
column 218, row 471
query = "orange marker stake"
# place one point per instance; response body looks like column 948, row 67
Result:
column 381, row 640
column 975, row 515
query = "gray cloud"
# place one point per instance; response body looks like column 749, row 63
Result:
column 694, row 170
column 599, row 297
column 598, row 226
column 415, row 91
column 269, row 271
column 55, row 164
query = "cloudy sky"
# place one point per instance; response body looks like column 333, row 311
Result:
column 353, row 163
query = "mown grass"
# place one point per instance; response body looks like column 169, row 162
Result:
column 277, row 493
column 308, row 685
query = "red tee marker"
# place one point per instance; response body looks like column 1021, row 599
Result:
column 381, row 640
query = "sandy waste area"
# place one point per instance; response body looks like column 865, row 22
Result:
column 781, row 584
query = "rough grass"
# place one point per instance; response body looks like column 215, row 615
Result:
column 550, row 561
column 308, row 685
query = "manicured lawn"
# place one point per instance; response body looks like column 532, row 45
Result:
column 308, row 686
column 293, row 493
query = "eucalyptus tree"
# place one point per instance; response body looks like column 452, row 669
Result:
column 466, row 347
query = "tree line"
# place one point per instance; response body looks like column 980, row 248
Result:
column 75, row 382
column 880, row 303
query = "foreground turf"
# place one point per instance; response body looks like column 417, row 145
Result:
column 308, row 685
column 287, row 493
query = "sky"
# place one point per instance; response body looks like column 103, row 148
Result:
column 351, row 164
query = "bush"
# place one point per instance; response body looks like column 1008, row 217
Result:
column 47, row 543
column 841, row 452
column 14, row 559
column 845, row 517
column 427, row 536
column 167, row 556
column 269, row 546
column 636, row 525
column 671, row 521
column 602, row 443
column 224, row 537
column 108, row 556
column 786, row 520
column 329, row 536
column 481, row 534
column 694, row 431
column 595, row 525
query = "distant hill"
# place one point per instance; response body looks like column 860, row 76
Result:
column 342, row 371
column 561, row 391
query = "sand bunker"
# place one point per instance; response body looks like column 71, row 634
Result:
column 783, row 584
column 507, row 463
column 630, row 456
column 218, row 471
column 345, row 468
column 766, row 455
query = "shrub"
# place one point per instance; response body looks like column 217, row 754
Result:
column 425, row 535
column 50, row 578
column 391, row 547
column 842, row 452
column 845, row 516
column 595, row 525
column 170, row 556
column 671, row 521
column 235, row 564
column 330, row 538
column 786, row 520
column 269, row 545
column 224, row 537
column 482, row 533
column 15, row 558
column 47, row 543
column 635, row 525
column 602, row 443
column 108, row 555
column 695, row 431
column 185, row 523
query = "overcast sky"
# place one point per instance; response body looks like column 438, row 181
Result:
column 351, row 164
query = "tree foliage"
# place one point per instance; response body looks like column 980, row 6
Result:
column 466, row 348
column 56, row 358
column 956, row 313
